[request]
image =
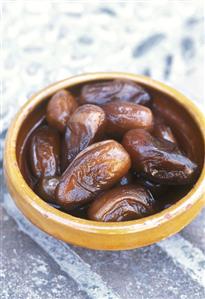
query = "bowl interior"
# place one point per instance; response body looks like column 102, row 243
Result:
column 166, row 105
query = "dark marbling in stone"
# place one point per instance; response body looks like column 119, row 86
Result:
column 147, row 44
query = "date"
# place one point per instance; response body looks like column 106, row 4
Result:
column 95, row 169
column 107, row 91
column 162, row 131
column 44, row 152
column 59, row 109
column 158, row 160
column 86, row 126
column 183, row 126
column 46, row 188
column 124, row 116
column 122, row 204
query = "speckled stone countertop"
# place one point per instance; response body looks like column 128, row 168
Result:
column 45, row 41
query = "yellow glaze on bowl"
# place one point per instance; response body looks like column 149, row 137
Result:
column 97, row 235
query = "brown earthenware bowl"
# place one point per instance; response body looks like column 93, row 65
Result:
column 97, row 235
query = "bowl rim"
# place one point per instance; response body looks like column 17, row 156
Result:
column 12, row 170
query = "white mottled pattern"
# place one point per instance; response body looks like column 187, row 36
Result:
column 190, row 258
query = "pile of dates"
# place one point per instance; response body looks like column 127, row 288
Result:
column 105, row 154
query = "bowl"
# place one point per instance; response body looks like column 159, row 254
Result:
column 98, row 235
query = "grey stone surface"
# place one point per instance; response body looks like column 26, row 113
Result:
column 28, row 272
column 142, row 273
column 45, row 41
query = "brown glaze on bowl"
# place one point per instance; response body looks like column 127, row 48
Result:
column 188, row 124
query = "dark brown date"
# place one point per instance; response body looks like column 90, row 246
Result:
column 59, row 109
column 162, row 131
column 123, row 90
column 95, row 169
column 183, row 126
column 44, row 152
column 121, row 204
column 86, row 126
column 124, row 116
column 46, row 188
column 158, row 160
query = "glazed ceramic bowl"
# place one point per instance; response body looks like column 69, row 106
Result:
column 97, row 235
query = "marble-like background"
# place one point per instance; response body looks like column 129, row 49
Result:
column 46, row 41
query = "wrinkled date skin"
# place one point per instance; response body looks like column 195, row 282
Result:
column 158, row 160
column 95, row 169
column 162, row 131
column 46, row 188
column 59, row 109
column 124, row 116
column 123, row 90
column 121, row 204
column 86, row 126
column 44, row 152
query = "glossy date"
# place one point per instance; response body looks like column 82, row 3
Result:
column 46, row 188
column 44, row 152
column 162, row 131
column 124, row 116
column 86, row 126
column 158, row 160
column 121, row 204
column 123, row 90
column 59, row 109
column 95, row 169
